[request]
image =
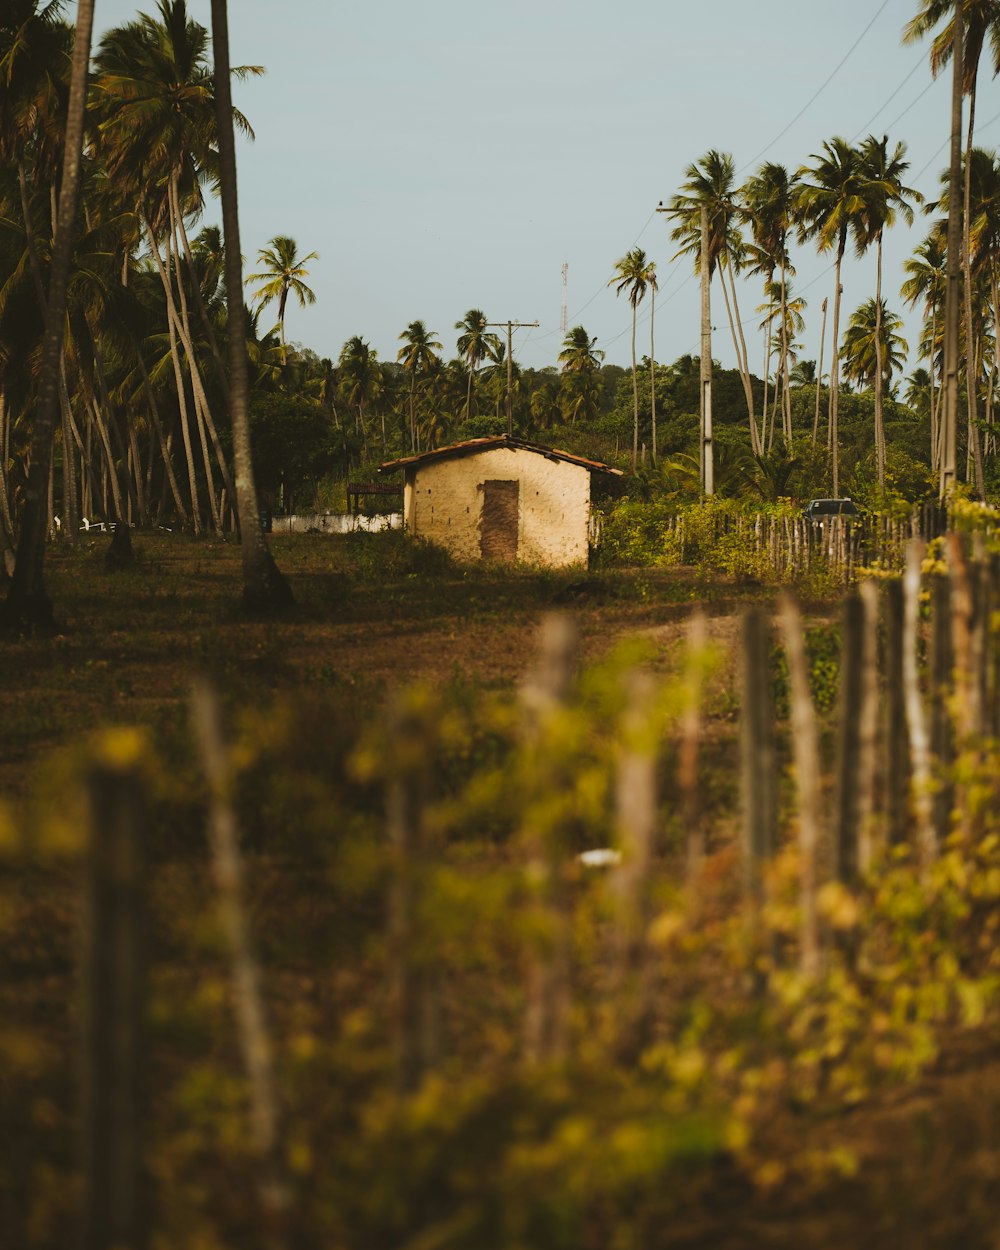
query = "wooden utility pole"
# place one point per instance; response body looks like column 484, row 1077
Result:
column 510, row 325
column 952, row 306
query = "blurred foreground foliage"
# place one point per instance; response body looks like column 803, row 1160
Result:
column 604, row 1145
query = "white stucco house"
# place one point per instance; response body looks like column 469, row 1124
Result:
column 501, row 499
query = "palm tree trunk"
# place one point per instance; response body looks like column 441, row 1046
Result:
column 879, row 426
column 172, row 321
column 786, row 398
column 971, row 343
column 952, row 318
column 742, row 356
column 27, row 602
column 652, row 366
column 756, row 439
column 819, row 376
column 635, row 399
column 264, row 586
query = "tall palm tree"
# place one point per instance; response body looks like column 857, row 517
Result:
column 769, row 208
column 634, row 274
column 264, row 586
column 361, row 381
column 980, row 21
column 580, row 380
column 417, row 356
column 711, row 183
column 27, row 601
column 925, row 282
column 831, row 208
column 474, row 346
column 283, row 273
column 886, row 199
column 872, row 344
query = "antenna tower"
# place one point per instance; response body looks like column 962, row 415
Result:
column 564, row 319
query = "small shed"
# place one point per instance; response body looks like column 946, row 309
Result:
column 501, row 499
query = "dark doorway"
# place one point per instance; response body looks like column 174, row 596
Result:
column 498, row 527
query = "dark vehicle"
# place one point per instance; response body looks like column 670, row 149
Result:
column 819, row 509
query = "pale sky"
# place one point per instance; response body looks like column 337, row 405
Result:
column 448, row 155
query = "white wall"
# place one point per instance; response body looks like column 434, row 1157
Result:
column 444, row 503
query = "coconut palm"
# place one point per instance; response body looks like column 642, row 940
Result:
column 872, row 342
column 417, row 356
column 580, row 380
column 474, row 346
column 634, row 274
column 980, row 21
column 710, row 183
column 263, row 584
column 769, row 209
column 360, row 378
column 831, row 208
column 283, row 274
column 886, row 199
column 579, row 354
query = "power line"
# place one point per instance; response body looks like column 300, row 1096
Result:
column 884, row 106
column 819, row 91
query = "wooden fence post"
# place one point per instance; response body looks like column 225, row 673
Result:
column 849, row 740
column 113, row 1010
column 757, row 753
column 868, row 725
column 636, row 804
column 227, row 866
column 895, row 733
column 548, row 972
column 413, row 988
column 687, row 764
column 942, row 664
column 916, row 725
column 805, row 751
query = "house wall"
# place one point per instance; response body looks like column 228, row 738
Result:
column 443, row 501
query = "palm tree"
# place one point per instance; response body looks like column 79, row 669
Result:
column 886, row 198
column 710, row 183
column 634, row 274
column 769, row 208
column 980, row 20
column 579, row 354
column 284, row 272
column 926, row 282
column 27, row 602
column 361, row 381
column 474, row 346
column 872, row 345
column 264, row 586
column 417, row 355
column 831, row 207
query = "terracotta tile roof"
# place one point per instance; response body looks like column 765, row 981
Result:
column 474, row 445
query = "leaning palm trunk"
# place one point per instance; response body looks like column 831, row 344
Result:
column 263, row 583
column 819, row 376
column 635, row 399
column 971, row 345
column 879, row 424
column 756, row 439
column 178, row 376
column 742, row 358
column 27, row 602
column 652, row 367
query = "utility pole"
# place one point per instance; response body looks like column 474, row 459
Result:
column 510, row 325
column 564, row 315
